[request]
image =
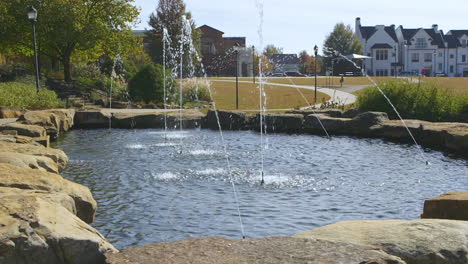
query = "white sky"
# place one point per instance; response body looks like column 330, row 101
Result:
column 296, row 25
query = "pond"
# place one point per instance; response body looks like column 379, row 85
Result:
column 153, row 187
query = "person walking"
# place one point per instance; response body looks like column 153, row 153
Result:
column 342, row 80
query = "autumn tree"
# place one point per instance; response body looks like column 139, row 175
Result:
column 170, row 16
column 308, row 63
column 272, row 49
column 341, row 41
column 87, row 28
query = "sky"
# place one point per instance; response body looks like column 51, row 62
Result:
column 297, row 25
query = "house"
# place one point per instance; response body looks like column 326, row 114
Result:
column 284, row 62
column 413, row 51
column 218, row 53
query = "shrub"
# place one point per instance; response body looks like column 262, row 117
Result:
column 14, row 94
column 196, row 89
column 148, row 85
column 425, row 101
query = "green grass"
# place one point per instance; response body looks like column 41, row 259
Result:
column 21, row 95
column 427, row 100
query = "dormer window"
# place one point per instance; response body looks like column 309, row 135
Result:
column 464, row 42
column 421, row 43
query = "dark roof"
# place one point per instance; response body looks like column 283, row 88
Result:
column 210, row 28
column 436, row 36
column 381, row 46
column 452, row 41
column 284, row 59
column 368, row 32
column 458, row 33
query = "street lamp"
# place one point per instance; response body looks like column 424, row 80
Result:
column 315, row 70
column 32, row 16
column 237, row 78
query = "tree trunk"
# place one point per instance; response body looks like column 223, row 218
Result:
column 67, row 69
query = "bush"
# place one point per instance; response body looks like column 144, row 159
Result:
column 196, row 89
column 424, row 101
column 148, row 85
column 14, row 94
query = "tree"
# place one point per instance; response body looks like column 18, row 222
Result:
column 341, row 40
column 271, row 49
column 170, row 15
column 64, row 28
column 308, row 63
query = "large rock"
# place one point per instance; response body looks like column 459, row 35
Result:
column 25, row 130
column 34, row 230
column 23, row 178
column 416, row 242
column 91, row 119
column 9, row 112
column 283, row 123
column 18, row 139
column 29, row 161
column 54, row 121
column 266, row 250
column 452, row 205
column 328, row 112
column 58, row 156
column 228, row 120
column 317, row 124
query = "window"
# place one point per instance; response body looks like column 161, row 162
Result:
column 381, row 72
column 440, row 67
column 415, row 57
column 451, row 56
column 427, row 57
column 440, row 54
column 464, row 42
column 421, row 43
column 451, row 68
column 381, row 55
column 463, row 58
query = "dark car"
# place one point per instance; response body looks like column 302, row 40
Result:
column 294, row 74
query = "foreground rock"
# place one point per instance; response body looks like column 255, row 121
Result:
column 447, row 206
column 29, row 161
column 416, row 242
column 55, row 155
column 266, row 250
column 35, row 230
column 55, row 121
column 25, row 130
column 10, row 112
column 22, row 178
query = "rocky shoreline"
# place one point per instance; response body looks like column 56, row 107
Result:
column 45, row 218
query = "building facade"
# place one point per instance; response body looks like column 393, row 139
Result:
column 284, row 63
column 426, row 51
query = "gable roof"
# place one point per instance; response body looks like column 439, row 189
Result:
column 381, row 46
column 458, row 33
column 437, row 37
column 206, row 27
column 284, row 59
column 368, row 32
column 452, row 41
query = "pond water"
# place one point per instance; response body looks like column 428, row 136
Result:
column 150, row 188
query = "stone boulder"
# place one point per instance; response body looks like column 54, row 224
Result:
column 143, row 120
column 29, row 161
column 315, row 124
column 58, row 156
column 25, row 130
column 328, row 112
column 282, row 123
column 91, row 119
column 452, row 205
column 35, row 230
column 9, row 112
column 19, row 139
column 351, row 113
column 54, row 121
column 416, row 242
column 228, row 120
column 266, row 250
column 24, row 178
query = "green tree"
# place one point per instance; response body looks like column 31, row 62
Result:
column 170, row 15
column 86, row 29
column 148, row 84
column 272, row 49
column 341, row 40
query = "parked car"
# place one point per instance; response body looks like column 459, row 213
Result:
column 277, row 74
column 294, row 74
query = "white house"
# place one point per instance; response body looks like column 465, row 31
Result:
column 285, row 62
column 414, row 51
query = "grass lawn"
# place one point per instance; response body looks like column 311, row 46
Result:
column 278, row 97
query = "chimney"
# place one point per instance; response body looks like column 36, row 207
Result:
column 380, row 27
column 435, row 27
column 358, row 24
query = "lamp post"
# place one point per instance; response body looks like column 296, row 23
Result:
column 315, row 70
column 237, row 78
column 253, row 63
column 32, row 15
